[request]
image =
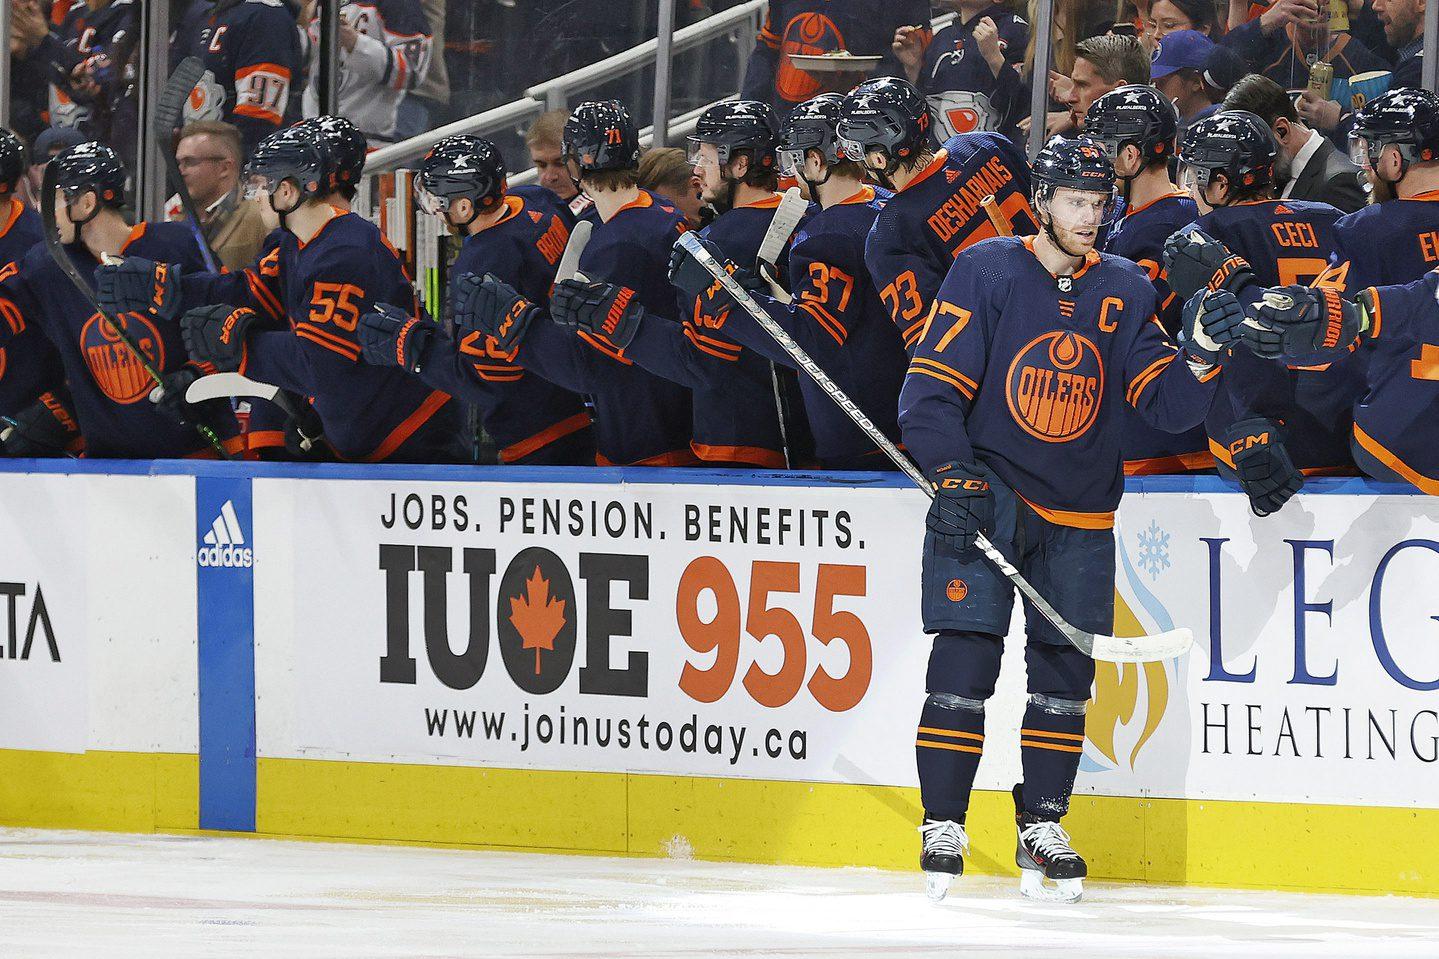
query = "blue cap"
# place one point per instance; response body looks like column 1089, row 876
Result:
column 56, row 138
column 1180, row 50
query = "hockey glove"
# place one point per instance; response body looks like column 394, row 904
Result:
column 137, row 285
column 491, row 306
column 169, row 398
column 1209, row 321
column 692, row 279
column 215, row 335
column 44, row 428
column 1303, row 323
column 391, row 337
column 963, row 506
column 1262, row 464
column 1194, row 261
column 600, row 308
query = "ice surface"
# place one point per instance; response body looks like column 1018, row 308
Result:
column 117, row 896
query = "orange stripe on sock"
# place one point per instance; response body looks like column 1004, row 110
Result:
column 1059, row 749
column 955, row 746
column 1073, row 737
column 952, row 734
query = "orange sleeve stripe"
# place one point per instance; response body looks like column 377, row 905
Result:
column 912, row 334
column 943, row 368
column 329, row 341
column 405, row 430
column 1378, row 315
column 544, row 437
column 954, row 746
column 826, row 321
column 1137, row 385
column 263, row 295
column 605, row 347
column 951, row 734
column 1385, row 456
column 702, row 343
column 274, row 69
column 963, row 390
column 1211, row 374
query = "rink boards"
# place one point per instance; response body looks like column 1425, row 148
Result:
column 662, row 662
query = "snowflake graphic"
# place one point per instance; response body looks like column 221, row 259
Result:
column 1153, row 550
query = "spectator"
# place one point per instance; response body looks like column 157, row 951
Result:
column 210, row 156
column 28, row 91
column 791, row 27
column 385, row 50
column 1178, row 73
column 253, row 61
column 84, row 51
column 1403, row 22
column 1290, row 35
column 544, row 139
column 428, row 104
column 1172, row 16
column 50, row 142
column 969, row 71
column 668, row 172
column 1101, row 64
column 1309, row 166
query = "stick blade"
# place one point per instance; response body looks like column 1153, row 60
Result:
column 226, row 385
column 791, row 210
column 1169, row 644
column 569, row 266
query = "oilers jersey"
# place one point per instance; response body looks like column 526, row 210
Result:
column 253, row 65
column 29, row 365
column 391, row 57
column 924, row 226
column 964, row 94
column 1389, row 243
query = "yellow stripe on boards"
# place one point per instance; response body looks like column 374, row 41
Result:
column 124, row 792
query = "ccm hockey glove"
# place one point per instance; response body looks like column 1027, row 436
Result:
column 1262, row 464
column 215, row 335
column 491, row 306
column 1194, row 261
column 1208, row 322
column 391, row 337
column 963, row 506
column 1303, row 323
column 137, row 285
column 600, row 308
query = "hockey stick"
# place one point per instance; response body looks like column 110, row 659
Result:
column 569, row 268
column 12, row 426
column 1110, row 649
column 997, row 219
column 781, row 227
column 62, row 260
column 167, row 116
column 234, row 385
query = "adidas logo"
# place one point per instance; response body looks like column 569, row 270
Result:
column 225, row 542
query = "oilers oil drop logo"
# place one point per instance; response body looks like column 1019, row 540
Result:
column 1054, row 386
column 117, row 372
column 807, row 34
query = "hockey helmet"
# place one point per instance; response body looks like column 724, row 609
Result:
column 461, row 167
column 347, row 147
column 1077, row 163
column 1407, row 118
column 1133, row 114
column 1236, row 143
column 737, row 125
column 598, row 136
column 298, row 154
column 885, row 115
column 89, row 167
column 12, row 161
column 810, row 126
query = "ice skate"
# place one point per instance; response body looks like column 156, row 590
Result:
column 942, row 859
column 1050, row 870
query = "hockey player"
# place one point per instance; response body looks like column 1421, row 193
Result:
column 385, row 51
column 738, row 418
column 532, row 421
column 835, row 312
column 1012, row 409
column 119, row 409
column 640, row 419
column 1137, row 127
column 1271, row 426
column 253, row 65
column 36, row 415
column 936, row 209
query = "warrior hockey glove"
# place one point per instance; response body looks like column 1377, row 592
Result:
column 1194, row 261
column 169, row 398
column 1262, row 464
column 492, row 307
column 689, row 277
column 1302, row 323
column 40, row 429
column 600, row 308
column 962, row 506
column 137, row 285
column 391, row 337
column 216, row 335
column 1208, row 321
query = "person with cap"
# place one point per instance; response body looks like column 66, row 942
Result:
column 50, row 142
column 1178, row 72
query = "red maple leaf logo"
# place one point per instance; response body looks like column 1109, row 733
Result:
column 537, row 616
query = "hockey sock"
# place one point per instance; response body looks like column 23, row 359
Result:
column 947, row 751
column 1051, row 741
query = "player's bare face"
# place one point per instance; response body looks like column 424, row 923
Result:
column 708, row 172
column 551, row 169
column 62, row 216
column 1076, row 216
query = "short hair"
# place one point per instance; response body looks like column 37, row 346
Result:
column 613, row 179
column 548, row 130
column 662, row 166
column 1201, row 13
column 1116, row 58
column 227, row 134
column 1263, row 97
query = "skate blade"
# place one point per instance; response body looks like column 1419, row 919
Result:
column 1032, row 885
column 936, row 884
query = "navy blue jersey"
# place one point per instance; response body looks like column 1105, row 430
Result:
column 84, row 33
column 736, row 419
column 29, row 365
column 924, row 226
column 1389, row 243
column 953, row 64
column 110, row 386
column 837, row 318
column 1287, row 242
column 370, row 413
column 251, row 50
column 521, row 411
column 640, row 419
column 1394, row 422
column 1282, row 60
column 1139, row 236
column 1029, row 380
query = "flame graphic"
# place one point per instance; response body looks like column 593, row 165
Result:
column 1117, row 689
